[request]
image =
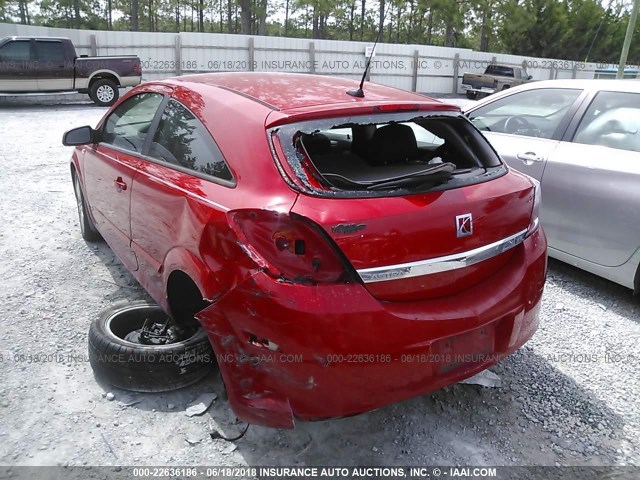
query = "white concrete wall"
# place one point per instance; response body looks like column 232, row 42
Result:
column 168, row 54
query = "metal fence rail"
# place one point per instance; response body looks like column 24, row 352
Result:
column 421, row 68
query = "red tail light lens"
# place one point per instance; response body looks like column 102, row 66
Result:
column 289, row 247
column 137, row 69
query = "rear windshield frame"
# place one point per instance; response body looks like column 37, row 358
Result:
column 294, row 159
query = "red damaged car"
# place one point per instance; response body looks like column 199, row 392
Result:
column 341, row 253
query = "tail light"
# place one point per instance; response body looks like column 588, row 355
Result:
column 289, row 247
column 535, row 211
column 495, row 83
column 137, row 68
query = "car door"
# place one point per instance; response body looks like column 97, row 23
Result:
column 167, row 208
column 109, row 168
column 525, row 127
column 55, row 71
column 17, row 68
column 591, row 187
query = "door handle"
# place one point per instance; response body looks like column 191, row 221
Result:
column 120, row 185
column 529, row 158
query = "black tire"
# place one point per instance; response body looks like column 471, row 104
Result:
column 472, row 95
column 145, row 368
column 104, row 92
column 87, row 228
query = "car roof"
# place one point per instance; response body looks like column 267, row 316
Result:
column 626, row 85
column 286, row 91
column 37, row 37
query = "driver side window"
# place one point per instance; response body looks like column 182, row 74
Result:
column 532, row 113
column 129, row 123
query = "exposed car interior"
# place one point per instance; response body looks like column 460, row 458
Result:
column 379, row 155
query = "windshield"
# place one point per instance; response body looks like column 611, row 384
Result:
column 385, row 152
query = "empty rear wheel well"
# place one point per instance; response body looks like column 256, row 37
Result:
column 184, row 297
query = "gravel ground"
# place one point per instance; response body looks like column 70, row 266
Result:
column 569, row 397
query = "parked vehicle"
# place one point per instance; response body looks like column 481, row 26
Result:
column 580, row 139
column 376, row 247
column 494, row 79
column 50, row 65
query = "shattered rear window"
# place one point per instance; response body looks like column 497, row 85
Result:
column 386, row 154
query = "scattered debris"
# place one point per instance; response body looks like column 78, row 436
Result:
column 602, row 306
column 201, row 404
column 171, row 406
column 108, row 445
column 232, row 447
column 193, row 440
column 560, row 306
column 306, row 447
column 129, row 400
column 215, row 434
column 485, row 378
column 110, row 396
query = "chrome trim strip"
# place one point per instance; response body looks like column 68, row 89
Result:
column 441, row 264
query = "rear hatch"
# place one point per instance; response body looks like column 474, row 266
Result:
column 418, row 204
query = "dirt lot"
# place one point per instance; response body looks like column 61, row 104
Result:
column 569, row 397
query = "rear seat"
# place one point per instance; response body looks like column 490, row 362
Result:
column 327, row 161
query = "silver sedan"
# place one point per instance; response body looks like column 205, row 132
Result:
column 581, row 140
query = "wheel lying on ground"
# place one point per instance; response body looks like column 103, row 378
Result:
column 87, row 228
column 136, row 346
column 104, row 92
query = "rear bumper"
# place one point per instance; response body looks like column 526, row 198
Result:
column 291, row 351
column 471, row 88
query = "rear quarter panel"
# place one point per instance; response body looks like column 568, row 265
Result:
column 178, row 220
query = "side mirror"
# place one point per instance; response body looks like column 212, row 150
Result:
column 79, row 136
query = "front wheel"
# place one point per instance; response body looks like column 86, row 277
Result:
column 104, row 92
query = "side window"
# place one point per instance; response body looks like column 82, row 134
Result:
column 129, row 123
column 48, row 51
column 532, row 113
column 16, row 51
column 612, row 120
column 181, row 139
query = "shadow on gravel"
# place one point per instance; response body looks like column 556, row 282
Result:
column 594, row 289
column 129, row 288
column 539, row 417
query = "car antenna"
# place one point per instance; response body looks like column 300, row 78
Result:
column 359, row 92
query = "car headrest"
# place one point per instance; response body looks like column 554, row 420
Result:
column 616, row 128
column 393, row 143
column 316, row 143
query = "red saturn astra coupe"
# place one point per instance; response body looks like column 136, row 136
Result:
column 341, row 252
